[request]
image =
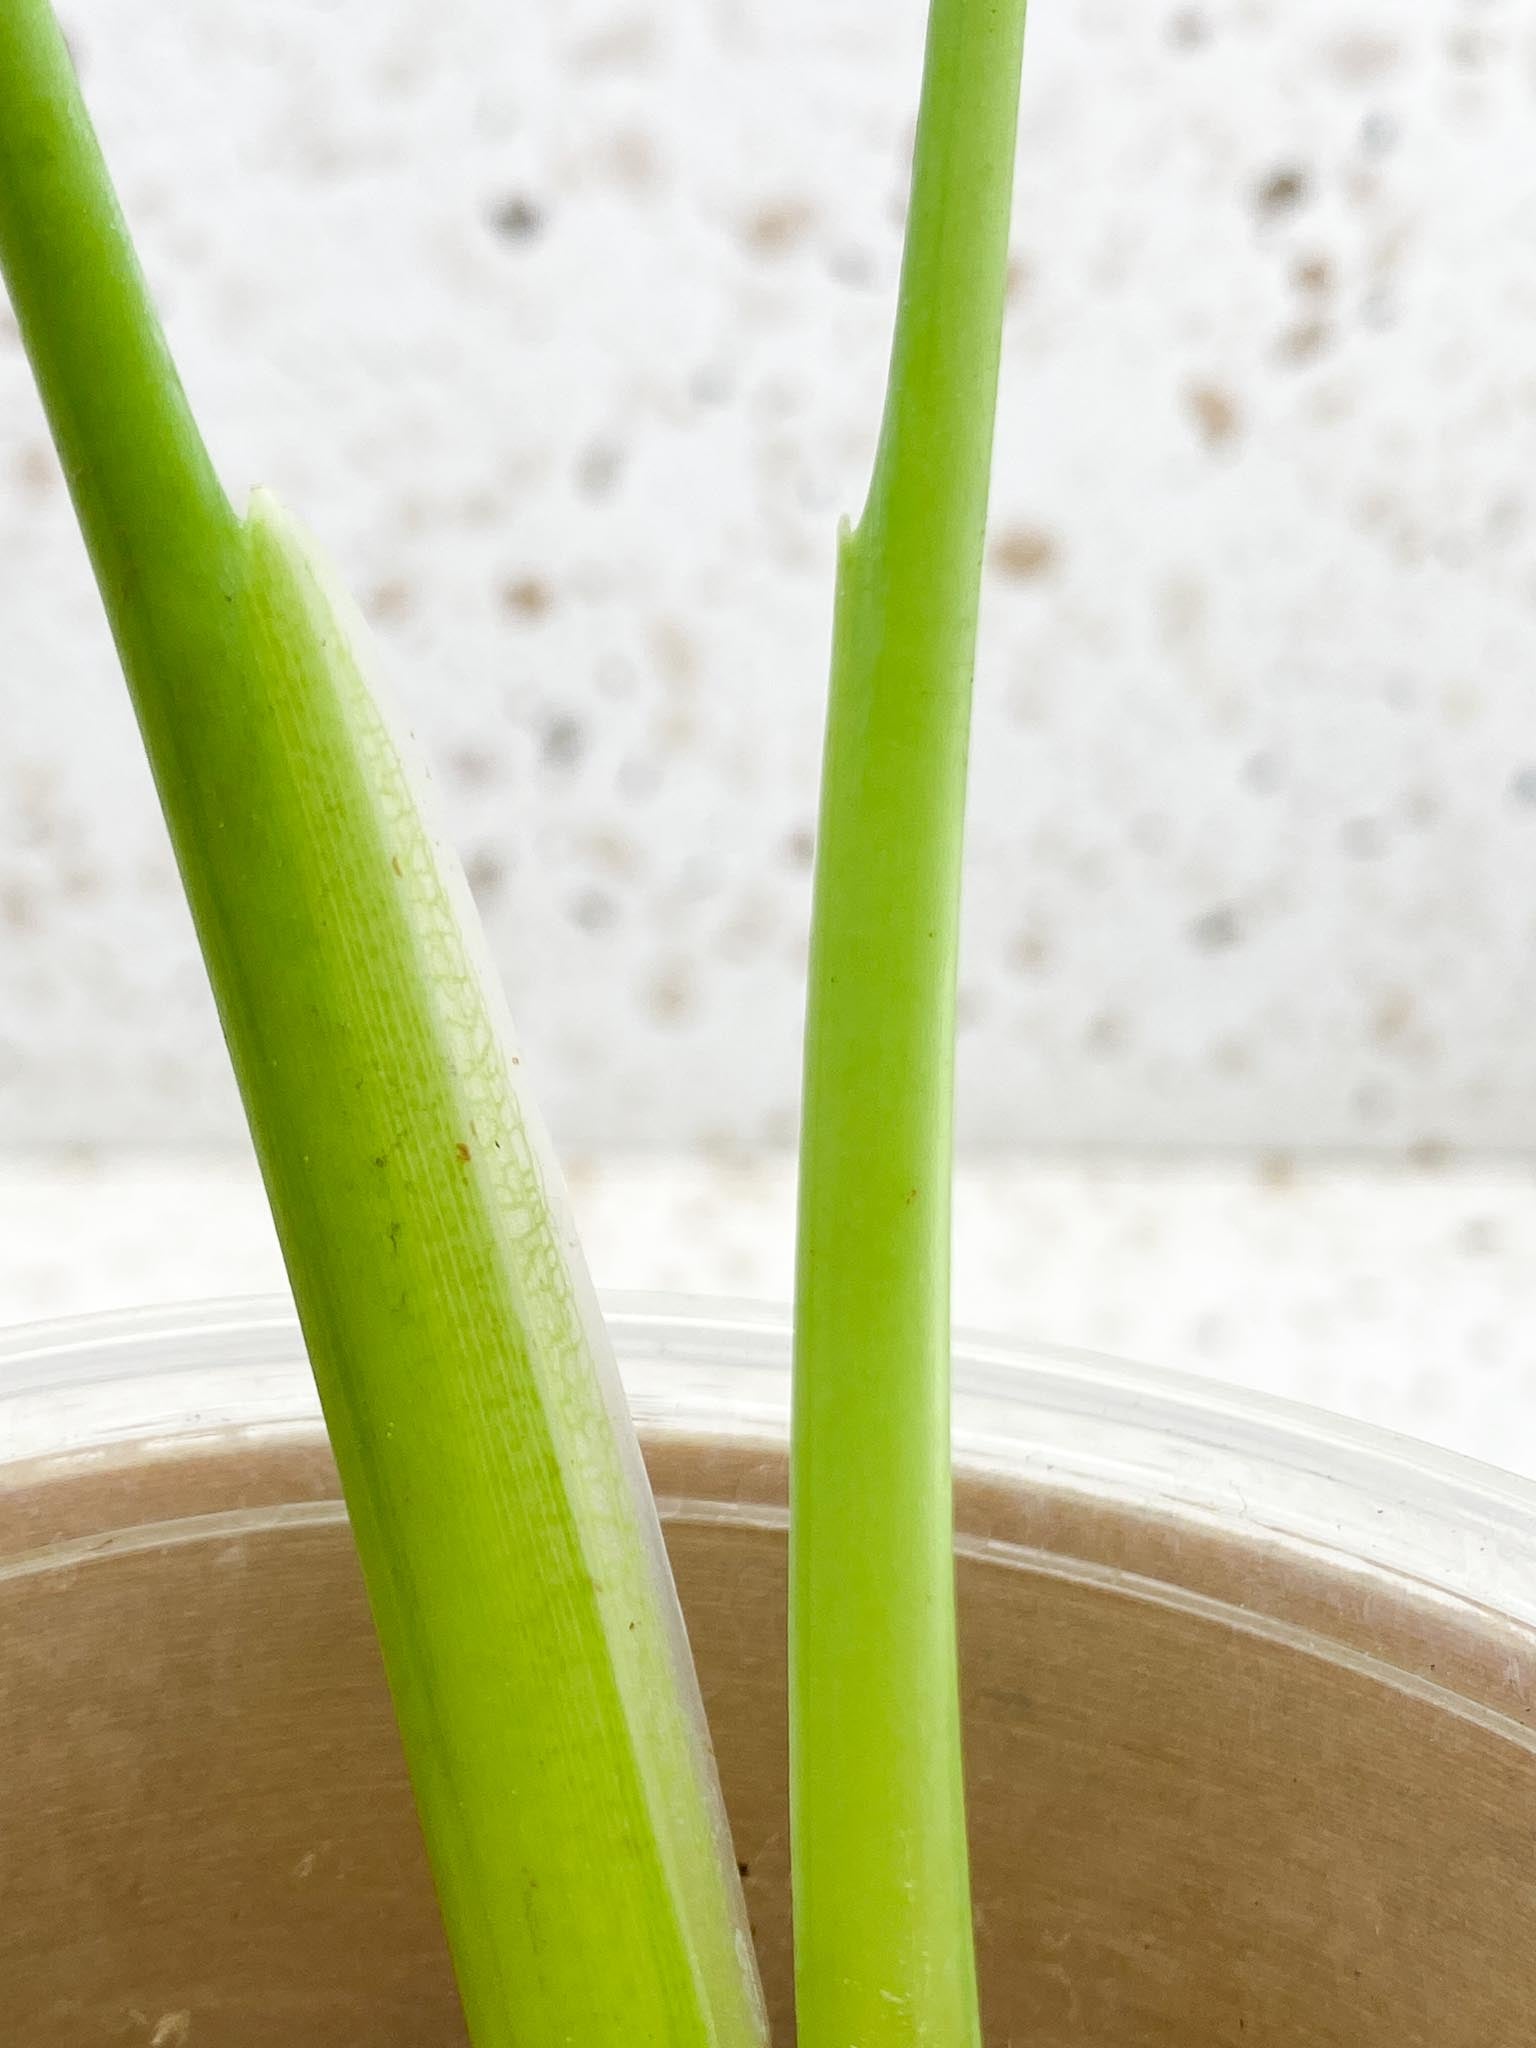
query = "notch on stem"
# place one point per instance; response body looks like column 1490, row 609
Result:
column 883, row 1944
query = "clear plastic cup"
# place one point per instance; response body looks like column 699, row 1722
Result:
column 1249, row 1698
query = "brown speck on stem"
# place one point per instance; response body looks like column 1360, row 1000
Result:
column 911, row 1196
column 461, row 1152
column 395, row 864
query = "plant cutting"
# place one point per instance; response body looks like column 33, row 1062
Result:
column 882, row 1902
column 549, row 1715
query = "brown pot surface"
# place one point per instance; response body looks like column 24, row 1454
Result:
column 1189, row 1827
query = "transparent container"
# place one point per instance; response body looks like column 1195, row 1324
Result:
column 1248, row 1694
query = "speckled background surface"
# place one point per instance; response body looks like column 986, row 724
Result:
column 564, row 327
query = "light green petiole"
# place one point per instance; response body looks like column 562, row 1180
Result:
column 511, row 1551
column 884, row 1950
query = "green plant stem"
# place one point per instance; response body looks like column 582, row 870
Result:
column 884, row 1949
column 508, row 1540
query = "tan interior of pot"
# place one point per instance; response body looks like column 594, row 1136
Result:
column 1189, row 1828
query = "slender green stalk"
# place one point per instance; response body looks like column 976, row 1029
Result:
column 511, row 1552
column 884, row 1951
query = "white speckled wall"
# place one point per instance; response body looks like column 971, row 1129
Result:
column 564, row 325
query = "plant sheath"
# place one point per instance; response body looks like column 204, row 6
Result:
column 884, row 1948
column 509, row 1545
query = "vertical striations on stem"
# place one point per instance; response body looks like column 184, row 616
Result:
column 884, row 1948
column 530, row 1632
